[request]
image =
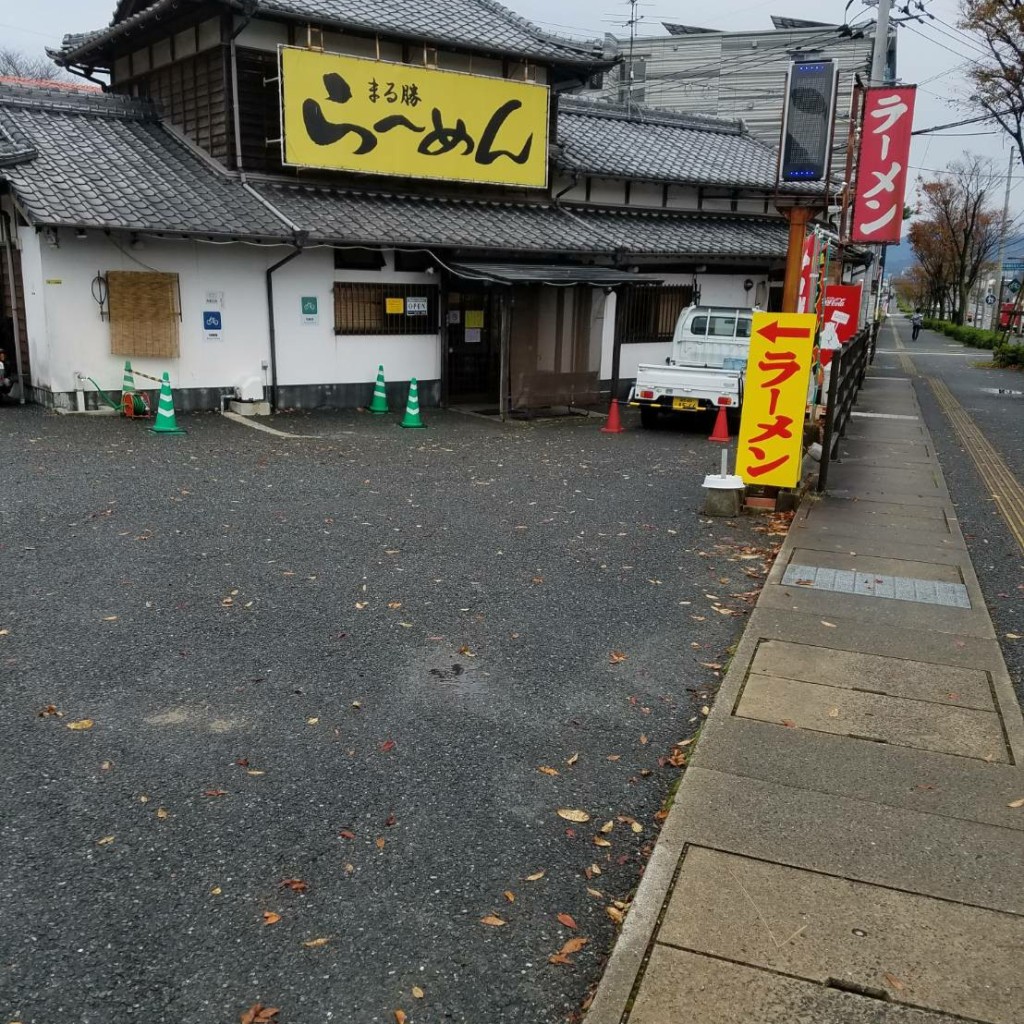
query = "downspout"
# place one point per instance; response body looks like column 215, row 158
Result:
column 271, row 321
column 14, row 305
column 250, row 10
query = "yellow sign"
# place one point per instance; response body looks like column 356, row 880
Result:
column 770, row 449
column 394, row 306
column 474, row 318
column 376, row 117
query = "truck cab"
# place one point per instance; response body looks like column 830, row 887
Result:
column 705, row 368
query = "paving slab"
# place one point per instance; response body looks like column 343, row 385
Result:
column 790, row 703
column 872, row 584
column 894, row 481
column 839, row 488
column 870, row 673
column 932, row 954
column 949, row 573
column 886, row 430
column 908, row 525
column 686, row 988
column 915, row 511
column 859, row 840
column 884, row 774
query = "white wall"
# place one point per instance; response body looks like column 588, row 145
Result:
column 67, row 334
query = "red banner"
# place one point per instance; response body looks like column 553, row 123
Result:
column 804, row 299
column 882, row 164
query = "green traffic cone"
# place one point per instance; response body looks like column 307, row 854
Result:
column 412, row 408
column 165, row 421
column 379, row 403
column 128, row 380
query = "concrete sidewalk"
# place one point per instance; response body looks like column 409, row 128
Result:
column 842, row 849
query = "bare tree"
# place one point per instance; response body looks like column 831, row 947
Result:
column 998, row 26
column 17, row 64
column 957, row 232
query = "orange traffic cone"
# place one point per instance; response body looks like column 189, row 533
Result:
column 721, row 431
column 614, row 424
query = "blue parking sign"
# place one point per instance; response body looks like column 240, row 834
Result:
column 212, row 320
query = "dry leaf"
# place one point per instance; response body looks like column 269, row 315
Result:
column 417, row 992
column 1012, row 636
column 253, row 771
column 614, row 757
column 574, row 945
column 312, row 721
column 84, row 723
column 596, row 893
column 269, row 917
column 349, row 869
column 110, row 618
column 493, row 921
column 572, row 760
column 831, row 625
column 143, row 799
column 466, row 652
column 400, row 1017
column 833, row 712
column 387, row 746
column 893, row 982
column 394, row 604
column 390, row 821
column 601, row 841
column 162, row 813
column 316, row 943
column 510, row 895
column 213, row 793
column 615, row 914
column 595, row 869
column 545, row 770
column 51, row 711
column 636, row 827
column 567, row 919
column 711, row 664
column 643, row 739
column 573, row 815
column 295, row 884
column 105, row 766
column 346, row 834
column 380, row 842
column 360, row 605
column 257, row 1014
column 535, row 877
column 705, row 711
column 607, row 827
column 105, row 841
column 216, row 890
column 1016, row 803
column 617, row 657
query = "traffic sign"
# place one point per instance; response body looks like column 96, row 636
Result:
column 1014, row 287
column 310, row 305
column 990, row 300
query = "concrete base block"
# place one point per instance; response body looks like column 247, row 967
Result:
column 722, row 501
column 250, row 408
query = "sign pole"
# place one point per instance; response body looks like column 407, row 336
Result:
column 798, row 217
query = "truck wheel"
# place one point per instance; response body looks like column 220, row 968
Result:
column 648, row 417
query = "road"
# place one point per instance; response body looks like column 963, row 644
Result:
column 275, row 709
column 993, row 401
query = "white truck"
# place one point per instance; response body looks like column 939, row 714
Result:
column 705, row 368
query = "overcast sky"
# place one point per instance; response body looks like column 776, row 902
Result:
column 933, row 55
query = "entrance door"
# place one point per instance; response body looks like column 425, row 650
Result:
column 474, row 347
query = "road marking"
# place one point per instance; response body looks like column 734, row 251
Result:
column 884, row 416
column 996, row 475
column 247, row 421
column 901, row 353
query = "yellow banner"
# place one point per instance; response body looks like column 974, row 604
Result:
column 770, row 448
column 376, row 117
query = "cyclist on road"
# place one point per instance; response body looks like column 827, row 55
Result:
column 915, row 323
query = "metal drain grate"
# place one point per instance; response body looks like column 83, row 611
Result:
column 896, row 588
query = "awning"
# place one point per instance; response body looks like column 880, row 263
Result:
column 553, row 274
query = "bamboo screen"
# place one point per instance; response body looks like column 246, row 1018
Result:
column 145, row 312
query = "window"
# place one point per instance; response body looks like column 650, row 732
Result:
column 699, row 326
column 145, row 312
column 722, row 327
column 743, row 328
column 358, row 259
column 385, row 308
column 649, row 312
column 414, row 262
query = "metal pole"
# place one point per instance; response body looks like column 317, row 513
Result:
column 1002, row 242
column 881, row 48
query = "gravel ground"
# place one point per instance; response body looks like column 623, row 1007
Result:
column 998, row 559
column 340, row 663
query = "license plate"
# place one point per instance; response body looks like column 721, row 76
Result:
column 685, row 403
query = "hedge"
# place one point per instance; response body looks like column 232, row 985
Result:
column 973, row 336
column 1009, row 355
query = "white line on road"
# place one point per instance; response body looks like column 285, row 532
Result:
column 884, row 416
column 246, row 421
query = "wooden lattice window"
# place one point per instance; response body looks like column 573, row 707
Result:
column 144, row 312
column 385, row 308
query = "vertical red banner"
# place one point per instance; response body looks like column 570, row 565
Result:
column 882, row 164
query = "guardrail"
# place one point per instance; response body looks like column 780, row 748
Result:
column 846, row 377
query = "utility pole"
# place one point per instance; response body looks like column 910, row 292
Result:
column 1002, row 243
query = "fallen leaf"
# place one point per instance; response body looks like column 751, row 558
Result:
column 258, row 1014
column 105, row 841
column 215, row 792
column 833, row 712
column 82, row 724
column 572, row 760
column 788, row 723
column 312, row 721
column 615, row 914
column 636, row 827
column 162, row 813
column 606, row 827
column 643, row 739
column 1016, row 803
column 705, row 711
column 349, row 869
column 831, row 625
column 253, row 771
column 51, row 711
column 493, row 921
column 110, row 618
column 535, row 877
column 269, row 917
column 545, row 770
column 387, row 746
column 105, row 766
column 360, row 605
column 1012, row 636
column 596, row 893
column 345, row 834
column 893, row 982
column 216, row 890
column 400, row 1017
column 316, row 943
column 617, row 657
column 614, row 757
column 574, row 945
column 567, row 919
column 601, row 841
column 595, row 869
column 295, row 884
column 417, row 992
column 390, row 821
column 711, row 664
column 466, row 652
column 394, row 604
column 573, row 815
column 510, row 895
column 380, row 842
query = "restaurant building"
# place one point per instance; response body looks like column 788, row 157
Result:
column 274, row 197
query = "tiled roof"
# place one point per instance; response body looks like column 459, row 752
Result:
column 658, row 145
column 481, row 25
column 105, row 161
column 340, row 217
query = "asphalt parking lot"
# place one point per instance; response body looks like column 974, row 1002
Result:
column 275, row 709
